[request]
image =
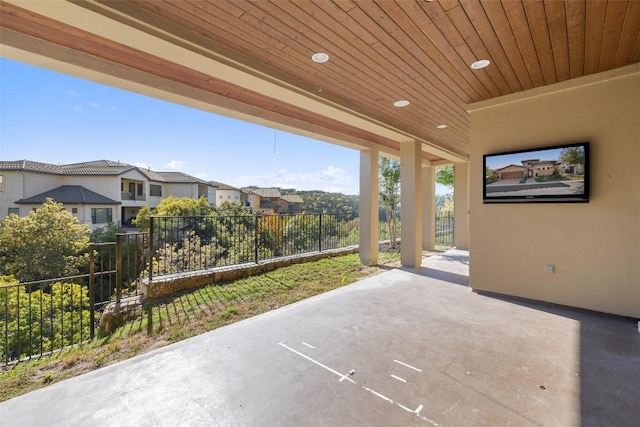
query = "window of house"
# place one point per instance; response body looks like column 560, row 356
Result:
column 121, row 185
column 139, row 189
column 220, row 196
column 74, row 210
column 155, row 190
column 1, row 184
column 229, row 197
column 101, row 215
column 15, row 211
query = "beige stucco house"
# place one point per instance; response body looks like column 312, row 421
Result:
column 96, row 192
column 227, row 193
column 270, row 201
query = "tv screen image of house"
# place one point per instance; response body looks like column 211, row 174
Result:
column 558, row 173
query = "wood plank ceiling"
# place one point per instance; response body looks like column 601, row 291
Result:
column 379, row 51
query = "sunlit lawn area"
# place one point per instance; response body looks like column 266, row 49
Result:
column 192, row 313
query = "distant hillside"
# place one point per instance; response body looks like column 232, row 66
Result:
column 316, row 201
column 321, row 201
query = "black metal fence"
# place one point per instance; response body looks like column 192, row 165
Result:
column 444, row 229
column 43, row 316
column 181, row 244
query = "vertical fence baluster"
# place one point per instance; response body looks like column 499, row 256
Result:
column 118, row 268
column 92, row 298
column 151, row 224
column 320, row 233
column 30, row 323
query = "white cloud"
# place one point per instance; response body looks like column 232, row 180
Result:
column 94, row 104
column 331, row 178
column 72, row 93
column 201, row 175
column 175, row 165
column 78, row 108
column 142, row 165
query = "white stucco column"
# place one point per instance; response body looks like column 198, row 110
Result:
column 461, row 206
column 369, row 206
column 411, row 203
column 428, row 207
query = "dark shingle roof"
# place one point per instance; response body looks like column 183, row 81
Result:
column 71, row 195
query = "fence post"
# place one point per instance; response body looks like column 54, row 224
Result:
column 118, row 267
column 256, row 239
column 92, row 298
column 150, row 249
column 320, row 233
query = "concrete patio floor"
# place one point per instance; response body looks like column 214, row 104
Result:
column 409, row 347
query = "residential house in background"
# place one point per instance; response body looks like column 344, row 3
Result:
column 270, row 201
column 537, row 167
column 265, row 200
column 226, row 193
column 95, row 192
column 291, row 203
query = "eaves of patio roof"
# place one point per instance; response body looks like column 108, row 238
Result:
column 252, row 60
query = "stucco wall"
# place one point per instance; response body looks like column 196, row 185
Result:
column 595, row 247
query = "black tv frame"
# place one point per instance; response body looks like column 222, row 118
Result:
column 534, row 166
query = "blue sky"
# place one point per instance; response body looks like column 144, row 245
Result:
column 499, row 161
column 54, row 118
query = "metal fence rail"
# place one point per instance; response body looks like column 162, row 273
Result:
column 444, row 229
column 181, row 244
column 43, row 316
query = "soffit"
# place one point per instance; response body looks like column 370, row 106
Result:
column 257, row 54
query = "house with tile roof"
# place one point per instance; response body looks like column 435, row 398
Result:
column 291, row 203
column 95, row 192
column 271, row 201
column 227, row 193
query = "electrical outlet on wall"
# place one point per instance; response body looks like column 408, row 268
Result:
column 551, row 268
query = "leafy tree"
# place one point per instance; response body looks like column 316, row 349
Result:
column 41, row 318
column 490, row 175
column 325, row 202
column 389, row 190
column 143, row 219
column 445, row 175
column 187, row 255
column 444, row 203
column 184, row 206
column 572, row 156
column 301, row 233
column 48, row 243
column 172, row 206
column 105, row 234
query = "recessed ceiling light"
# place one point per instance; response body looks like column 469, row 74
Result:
column 441, row 126
column 480, row 64
column 401, row 103
column 320, row 57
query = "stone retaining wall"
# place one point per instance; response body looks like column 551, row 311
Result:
column 166, row 285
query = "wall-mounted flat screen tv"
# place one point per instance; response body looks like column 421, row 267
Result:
column 558, row 173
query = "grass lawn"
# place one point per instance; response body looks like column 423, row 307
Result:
column 189, row 314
